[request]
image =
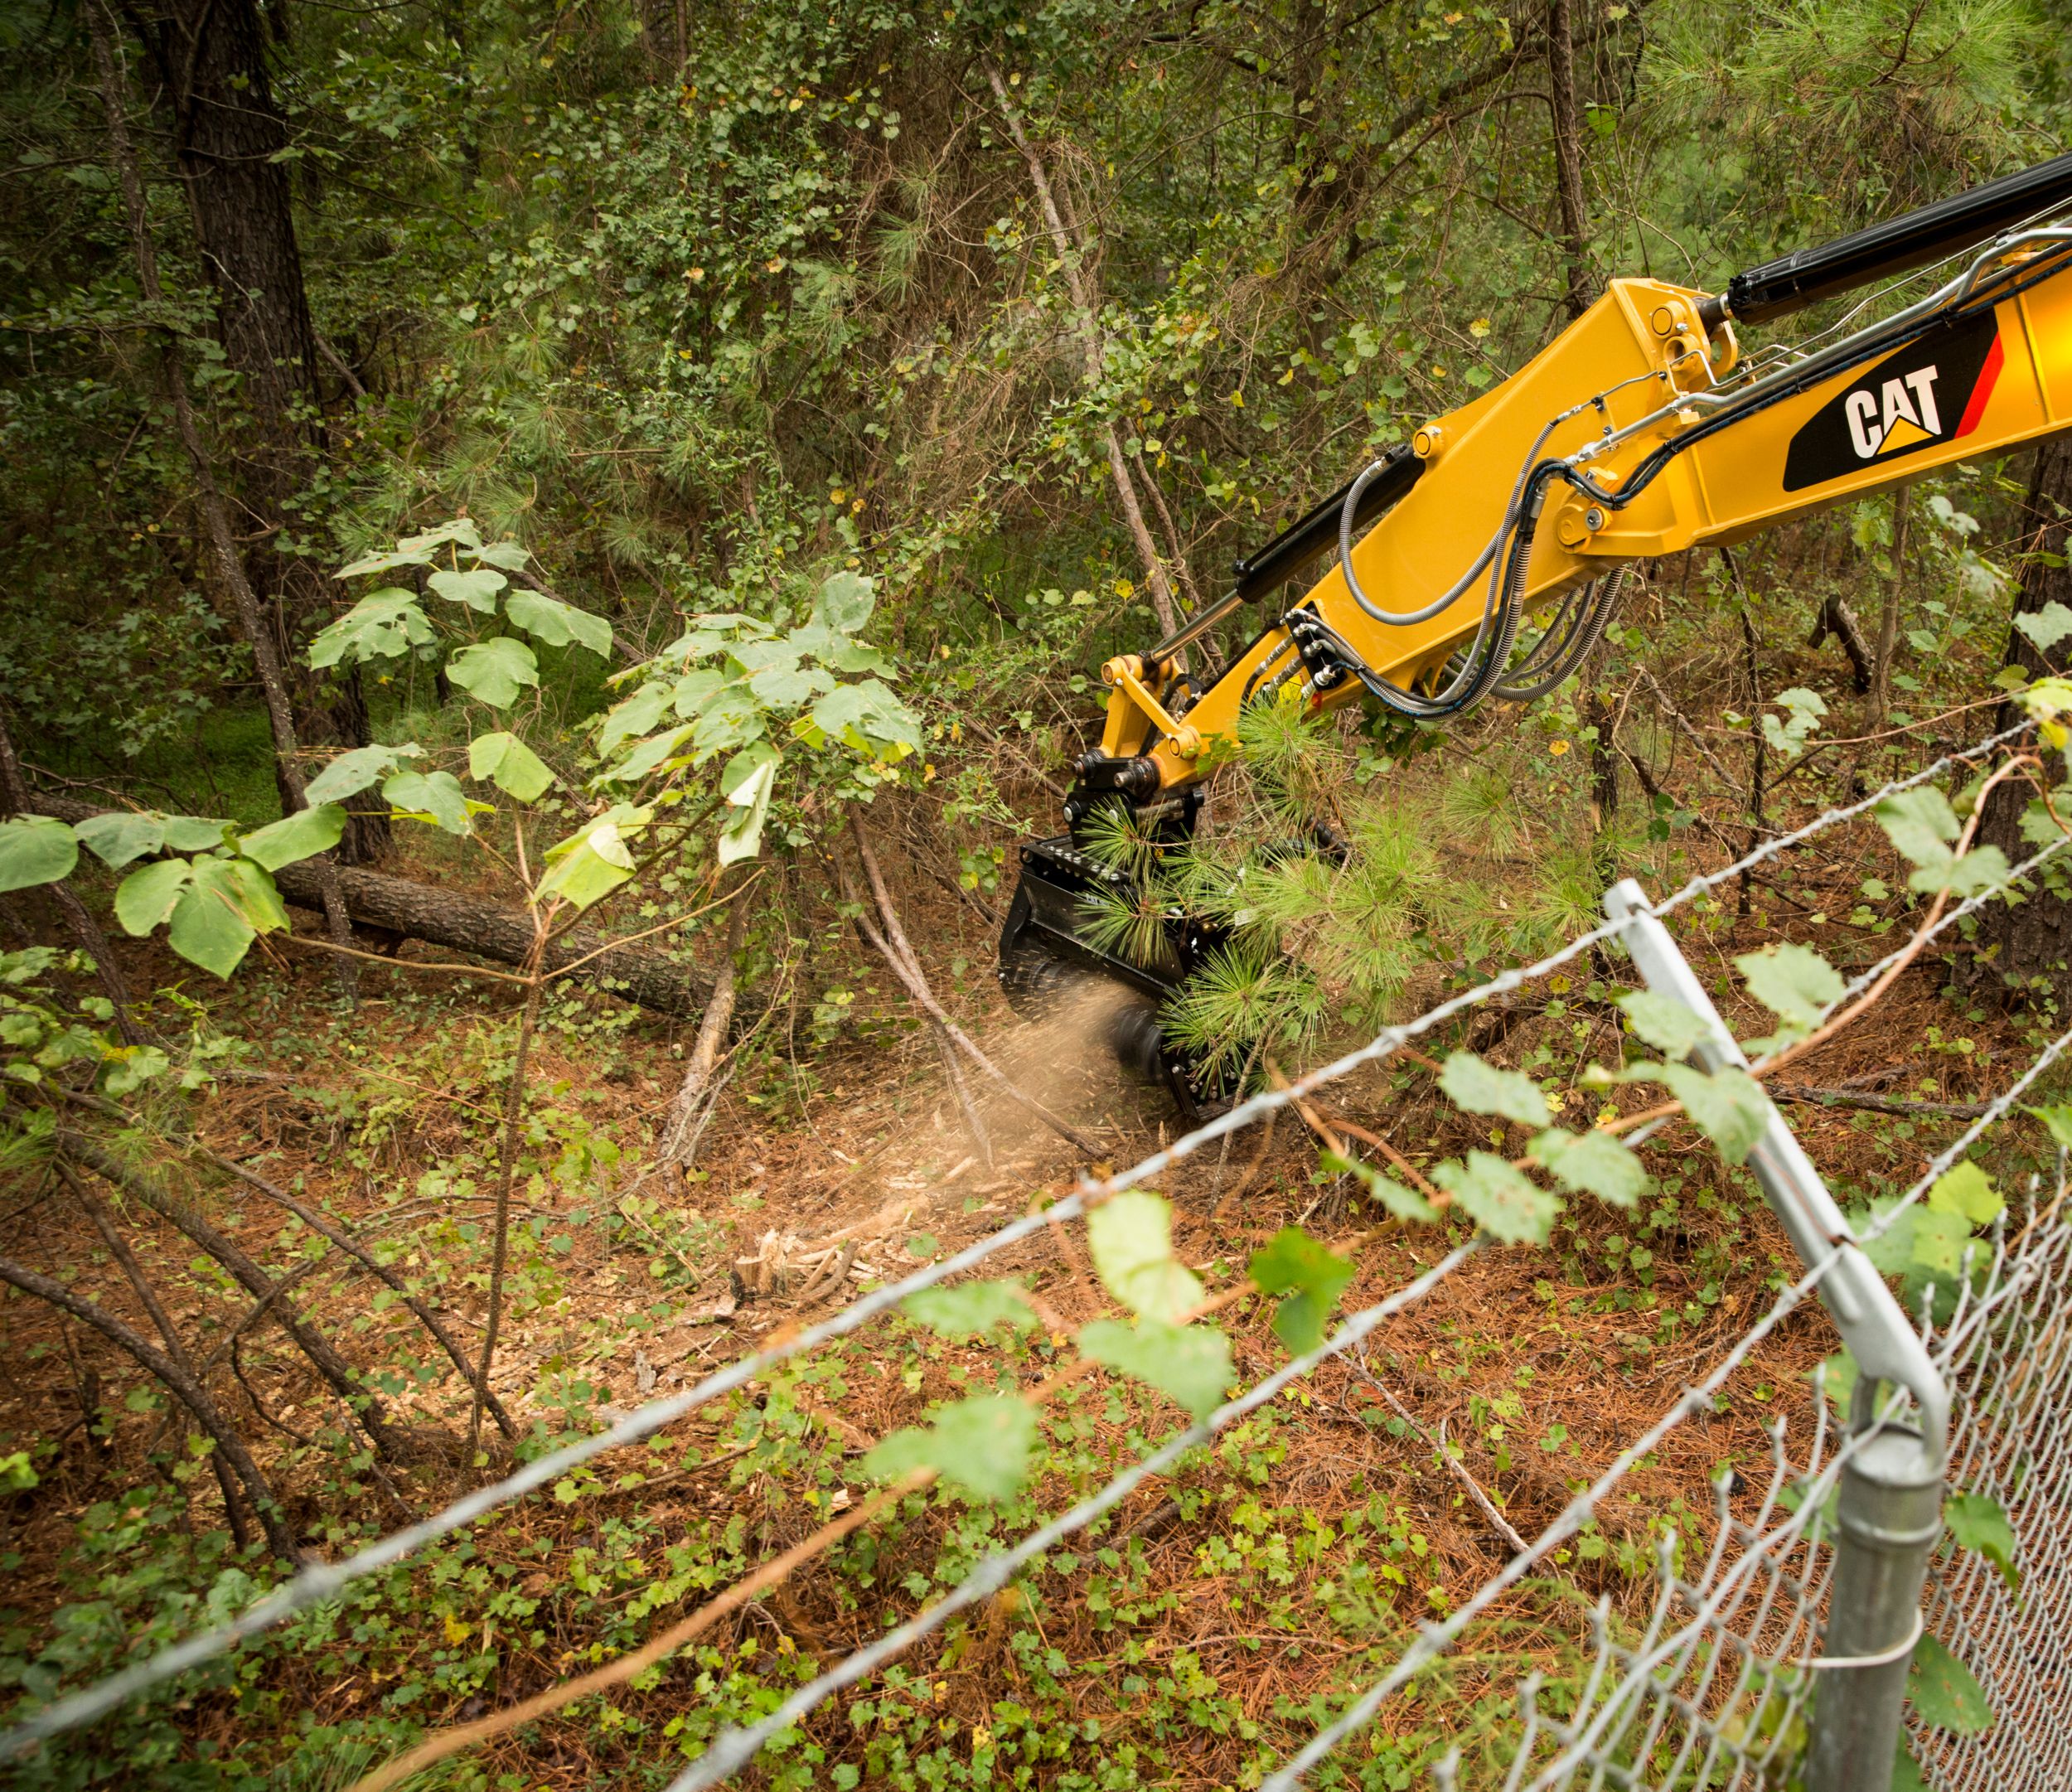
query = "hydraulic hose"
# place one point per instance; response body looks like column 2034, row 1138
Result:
column 1589, row 629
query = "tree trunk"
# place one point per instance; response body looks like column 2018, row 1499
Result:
column 2029, row 943
column 228, row 133
column 1568, row 156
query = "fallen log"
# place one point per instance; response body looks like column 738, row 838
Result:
column 469, row 924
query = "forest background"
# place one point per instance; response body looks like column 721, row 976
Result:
column 903, row 366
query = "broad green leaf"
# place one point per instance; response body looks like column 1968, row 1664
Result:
column 1501, row 1200
column 1967, row 1191
column 787, row 687
column 1402, row 1203
column 2046, row 627
column 301, row 835
column 970, row 1309
column 227, row 905
column 383, row 625
column 477, row 589
column 657, row 749
column 1938, row 1243
column 34, row 850
column 549, row 619
column 1130, row 1237
column 1593, row 1163
column 1192, row 1363
column 1919, row 822
column 121, row 838
column 386, row 562
column 693, row 690
column 2058, row 1120
column 766, row 656
column 1978, row 1524
column 1793, row 982
column 1981, row 869
column 729, row 719
column 194, row 833
column 742, row 838
column 493, row 670
column 507, row 554
column 145, row 897
column 1665, row 1023
column 1943, row 1694
column 1729, row 1107
column 592, row 863
column 865, row 717
column 461, row 531
column 981, row 1445
column 636, row 715
column 351, row 773
column 509, row 764
column 1481, row 1089
column 1906, row 1772
column 1804, row 710
column 845, row 603
column 1311, row 1277
column 131, row 1068
column 435, row 797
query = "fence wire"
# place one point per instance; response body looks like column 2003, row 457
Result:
column 322, row 1581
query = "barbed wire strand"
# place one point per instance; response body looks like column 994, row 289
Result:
column 734, row 1748
column 1435, row 1639
column 323, row 1581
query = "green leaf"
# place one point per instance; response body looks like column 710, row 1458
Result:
column 636, row 715
column 1729, row 1107
column 1498, row 1199
column 509, row 764
column 694, row 689
column 1967, row 1191
column 1943, row 1694
column 435, row 797
column 1593, row 1163
column 130, row 1069
column 121, row 837
column 657, row 749
column 1402, row 1203
column 2058, row 1120
column 1793, row 982
column 981, row 1445
column 1192, row 1363
column 383, row 625
column 1981, row 869
column 742, row 838
column 477, row 588
column 194, row 833
column 1978, row 1524
column 970, row 1309
column 387, row 562
column 34, row 850
column 866, row 717
column 461, row 531
column 301, row 835
column 145, row 897
column 1310, row 1276
column 1130, row 1237
column 1937, row 1243
column 227, row 905
column 845, row 603
column 786, row 687
column 351, row 773
column 589, row 865
column 507, row 554
column 1918, row 822
column 1665, row 1023
column 1906, row 1772
column 493, row 670
column 2046, row 627
column 1481, row 1089
column 549, row 619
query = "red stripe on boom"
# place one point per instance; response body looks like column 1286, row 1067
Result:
column 1983, row 389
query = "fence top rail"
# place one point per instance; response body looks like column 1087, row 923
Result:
column 320, row 1582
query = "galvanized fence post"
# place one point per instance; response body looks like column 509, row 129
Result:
column 1889, row 1514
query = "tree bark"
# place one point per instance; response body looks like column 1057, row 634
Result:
column 2029, row 942
column 713, row 1028
column 1568, row 156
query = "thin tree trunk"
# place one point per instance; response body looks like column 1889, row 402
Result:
column 96, row 1210
column 713, row 1028
column 1090, row 337
column 506, row 1169
column 221, row 544
column 192, row 1394
column 1568, row 156
column 344, row 1380
column 14, row 793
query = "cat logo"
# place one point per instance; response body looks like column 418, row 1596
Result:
column 1932, row 391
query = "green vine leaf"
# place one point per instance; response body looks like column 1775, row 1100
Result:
column 1478, row 1087
column 1593, row 1163
column 1943, row 1694
column 980, row 1445
column 1499, row 1198
column 970, row 1309
column 1729, row 1106
column 1977, row 1522
column 1793, row 982
column 1664, row 1022
column 1402, row 1203
column 1131, row 1239
column 1309, row 1276
column 493, row 671
column 511, row 765
column 1191, row 1363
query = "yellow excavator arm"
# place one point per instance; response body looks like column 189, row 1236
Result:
column 1483, row 559
column 1642, row 430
